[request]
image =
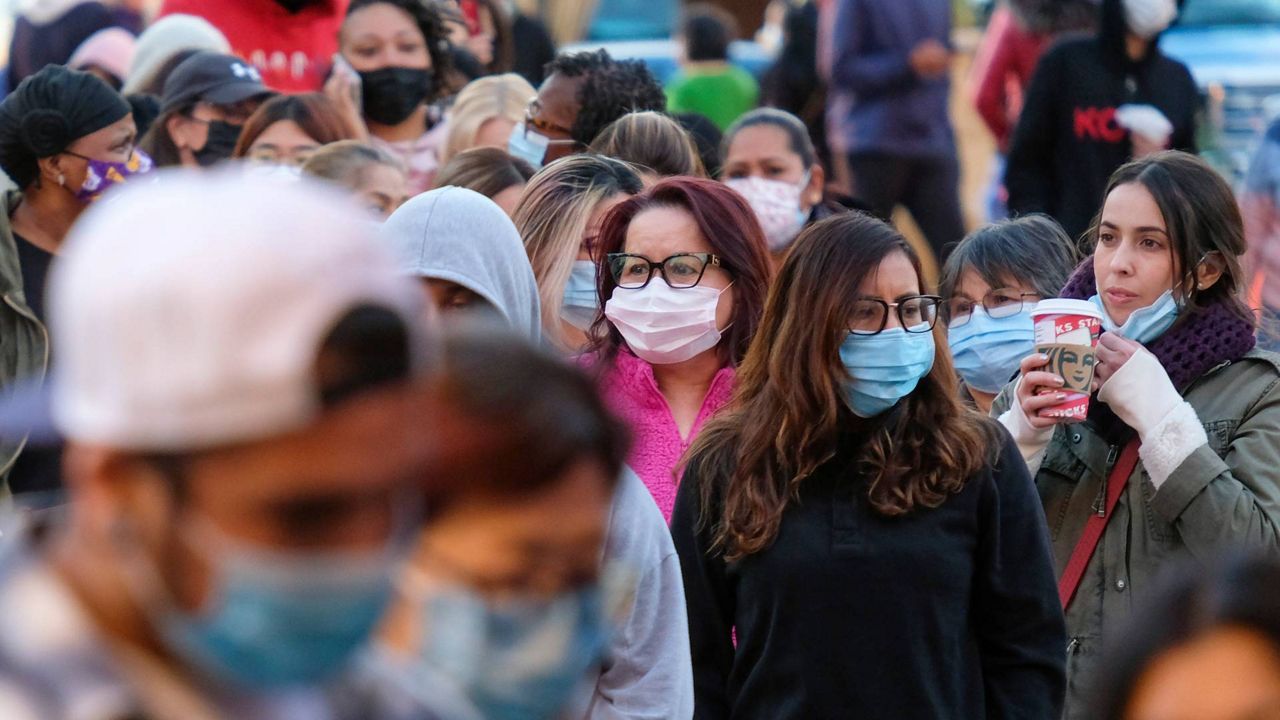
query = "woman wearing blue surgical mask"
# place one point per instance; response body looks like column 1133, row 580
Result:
column 1178, row 455
column 990, row 283
column 856, row 542
column 559, row 217
column 770, row 160
column 393, row 59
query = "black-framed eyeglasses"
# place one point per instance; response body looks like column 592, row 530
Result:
column 999, row 303
column 916, row 314
column 682, row 270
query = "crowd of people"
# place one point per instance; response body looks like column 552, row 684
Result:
column 365, row 359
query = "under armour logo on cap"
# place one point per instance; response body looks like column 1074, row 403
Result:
column 247, row 72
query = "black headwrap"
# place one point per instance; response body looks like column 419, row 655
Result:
column 49, row 111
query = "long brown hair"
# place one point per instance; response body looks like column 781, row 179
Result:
column 789, row 410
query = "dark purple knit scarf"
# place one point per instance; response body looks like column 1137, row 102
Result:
column 1195, row 344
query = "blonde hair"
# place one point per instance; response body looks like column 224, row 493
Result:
column 552, row 217
column 497, row 96
column 345, row 161
column 653, row 142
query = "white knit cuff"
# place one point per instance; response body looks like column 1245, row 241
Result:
column 1170, row 442
column 1140, row 392
column 1031, row 441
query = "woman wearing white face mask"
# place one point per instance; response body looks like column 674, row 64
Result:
column 770, row 160
column 990, row 283
column 559, row 217
column 1178, row 455
column 683, row 282
column 1093, row 104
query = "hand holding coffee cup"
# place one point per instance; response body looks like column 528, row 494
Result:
column 1112, row 353
column 1066, row 335
column 1039, row 390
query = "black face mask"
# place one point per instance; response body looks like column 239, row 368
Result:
column 391, row 94
column 293, row 6
column 220, row 144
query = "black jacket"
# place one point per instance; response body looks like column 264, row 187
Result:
column 949, row 612
column 1067, row 143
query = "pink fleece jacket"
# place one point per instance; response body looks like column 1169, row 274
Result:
column 632, row 393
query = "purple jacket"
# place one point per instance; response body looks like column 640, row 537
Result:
column 632, row 393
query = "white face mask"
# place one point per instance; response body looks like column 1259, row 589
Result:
column 777, row 206
column 1149, row 18
column 663, row 325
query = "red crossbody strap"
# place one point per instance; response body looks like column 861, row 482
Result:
column 1116, row 483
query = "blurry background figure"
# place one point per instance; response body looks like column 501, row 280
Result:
column 288, row 129
column 491, row 172
column 505, row 608
column 65, row 139
column 468, row 257
column 1205, row 646
column 707, row 83
column 989, row 285
column 396, row 60
column 770, row 160
column 706, row 138
column 1073, row 133
column 244, row 477
column 772, row 31
column 164, row 39
column 792, row 83
column 1017, row 34
column 207, row 100
column 656, row 145
column 485, row 113
column 891, row 81
column 291, row 42
column 532, row 44
column 559, row 217
column 1260, row 206
column 582, row 94
column 47, row 32
column 482, row 41
column 107, row 53
column 375, row 177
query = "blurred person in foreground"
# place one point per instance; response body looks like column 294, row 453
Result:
column 1205, row 647
column 65, row 139
column 239, row 493
column 894, row 61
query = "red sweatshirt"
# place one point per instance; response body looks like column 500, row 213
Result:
column 1001, row 72
column 292, row 50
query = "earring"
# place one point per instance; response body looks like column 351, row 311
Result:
column 62, row 180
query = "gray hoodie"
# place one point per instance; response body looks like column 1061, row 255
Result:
column 461, row 236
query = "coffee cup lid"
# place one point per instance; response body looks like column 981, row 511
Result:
column 1066, row 306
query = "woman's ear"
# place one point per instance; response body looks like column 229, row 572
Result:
column 814, row 191
column 1209, row 270
column 176, row 128
column 52, row 170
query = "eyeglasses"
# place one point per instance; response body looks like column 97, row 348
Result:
column 999, row 303
column 683, row 270
column 916, row 314
column 531, row 122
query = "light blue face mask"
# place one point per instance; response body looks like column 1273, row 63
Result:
column 529, row 146
column 987, row 351
column 581, row 305
column 884, row 368
column 518, row 659
column 1146, row 324
column 282, row 619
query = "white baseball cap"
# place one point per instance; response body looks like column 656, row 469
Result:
column 187, row 313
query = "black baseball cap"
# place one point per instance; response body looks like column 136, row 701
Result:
column 213, row 78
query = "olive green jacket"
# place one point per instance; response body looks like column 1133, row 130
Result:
column 1225, row 494
column 24, row 344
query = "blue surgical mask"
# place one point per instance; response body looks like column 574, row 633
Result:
column 581, row 304
column 515, row 659
column 276, row 619
column 530, row 146
column 884, row 368
column 987, row 351
column 1146, row 324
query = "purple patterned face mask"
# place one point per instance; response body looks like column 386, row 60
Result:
column 103, row 174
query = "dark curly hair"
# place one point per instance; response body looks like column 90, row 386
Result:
column 430, row 18
column 612, row 89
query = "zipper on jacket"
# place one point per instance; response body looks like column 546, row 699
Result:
column 1100, row 502
column 1073, row 646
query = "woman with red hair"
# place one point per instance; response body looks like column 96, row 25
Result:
column 683, row 274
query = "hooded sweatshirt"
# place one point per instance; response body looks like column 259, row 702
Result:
column 461, row 236
column 1067, row 142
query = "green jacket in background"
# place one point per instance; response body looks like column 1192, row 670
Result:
column 24, row 344
column 720, row 96
column 1226, row 494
